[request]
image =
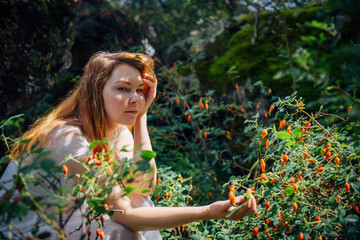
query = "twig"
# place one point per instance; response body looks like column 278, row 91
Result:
column 332, row 115
column 315, row 121
column 289, row 54
column 22, row 233
column 255, row 28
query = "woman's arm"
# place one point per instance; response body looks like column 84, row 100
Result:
column 141, row 137
column 141, row 134
column 157, row 218
column 126, row 140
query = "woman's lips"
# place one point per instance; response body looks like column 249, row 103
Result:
column 131, row 111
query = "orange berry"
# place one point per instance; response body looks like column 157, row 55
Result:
column 184, row 103
column 271, row 108
column 295, row 206
column 267, row 205
column 177, row 101
column 266, row 115
column 255, row 231
column 310, row 160
column 320, row 169
column 201, row 105
column 102, row 220
column 102, row 234
column 262, row 176
column 65, row 170
column 288, row 129
column 189, row 118
column 267, row 144
column 356, row 209
column 210, row 194
column 282, row 195
column 295, row 187
column 317, row 219
column 282, row 124
column 347, row 187
column 262, row 165
column 98, row 162
column 338, row 198
column 264, row 133
column 206, row 106
column 98, row 232
column 292, row 180
column 328, row 154
column 267, row 232
column 159, row 181
column 285, row 158
column 183, row 226
column 205, row 134
column 337, row 161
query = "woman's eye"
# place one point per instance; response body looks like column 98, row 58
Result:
column 122, row 89
column 140, row 90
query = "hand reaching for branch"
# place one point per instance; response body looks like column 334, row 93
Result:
column 219, row 209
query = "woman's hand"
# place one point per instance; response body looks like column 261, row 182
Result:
column 149, row 91
column 219, row 209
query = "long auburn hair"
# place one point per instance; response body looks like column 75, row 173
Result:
column 84, row 106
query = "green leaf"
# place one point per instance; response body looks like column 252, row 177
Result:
column 148, row 155
column 47, row 164
column 247, row 196
column 290, row 143
column 283, row 135
column 297, row 133
column 352, row 218
column 289, row 191
column 144, row 190
column 142, row 165
column 129, row 190
column 254, row 165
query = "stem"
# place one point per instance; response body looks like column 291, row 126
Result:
column 289, row 54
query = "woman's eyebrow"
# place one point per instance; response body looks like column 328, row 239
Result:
column 128, row 83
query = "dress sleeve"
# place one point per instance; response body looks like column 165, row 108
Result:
column 66, row 140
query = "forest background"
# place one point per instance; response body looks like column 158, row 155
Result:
column 251, row 93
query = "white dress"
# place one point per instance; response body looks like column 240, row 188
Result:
column 65, row 140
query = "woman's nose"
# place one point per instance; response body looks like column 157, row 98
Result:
column 134, row 98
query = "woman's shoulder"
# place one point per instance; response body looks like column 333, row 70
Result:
column 67, row 139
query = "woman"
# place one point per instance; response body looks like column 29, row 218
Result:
column 116, row 91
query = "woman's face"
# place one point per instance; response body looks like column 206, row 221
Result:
column 123, row 96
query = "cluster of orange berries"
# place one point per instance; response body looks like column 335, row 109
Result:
column 232, row 194
column 270, row 110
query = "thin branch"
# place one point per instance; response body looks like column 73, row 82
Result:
column 289, row 54
column 23, row 234
column 332, row 115
column 255, row 28
column 315, row 121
